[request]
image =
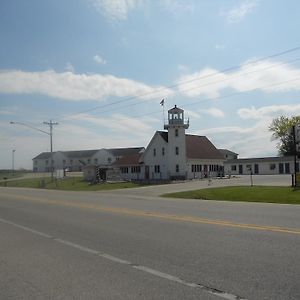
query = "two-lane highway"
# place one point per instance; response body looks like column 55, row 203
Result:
column 73, row 245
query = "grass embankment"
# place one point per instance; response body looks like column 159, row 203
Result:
column 267, row 194
column 69, row 184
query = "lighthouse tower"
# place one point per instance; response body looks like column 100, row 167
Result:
column 176, row 143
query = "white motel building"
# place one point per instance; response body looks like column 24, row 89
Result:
column 171, row 154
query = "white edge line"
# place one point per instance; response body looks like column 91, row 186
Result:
column 166, row 276
column 82, row 248
column 27, row 228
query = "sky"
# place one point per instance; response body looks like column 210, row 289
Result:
column 100, row 68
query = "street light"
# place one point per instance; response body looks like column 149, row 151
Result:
column 13, row 161
column 48, row 133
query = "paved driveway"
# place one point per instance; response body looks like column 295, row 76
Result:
column 157, row 190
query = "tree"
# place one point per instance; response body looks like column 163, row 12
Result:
column 281, row 128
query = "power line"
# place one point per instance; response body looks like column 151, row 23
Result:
column 207, row 84
column 224, row 96
column 183, row 82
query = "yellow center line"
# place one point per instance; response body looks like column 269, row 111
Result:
column 164, row 216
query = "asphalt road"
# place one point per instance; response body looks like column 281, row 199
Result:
column 123, row 245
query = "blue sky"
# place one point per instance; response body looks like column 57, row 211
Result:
column 101, row 67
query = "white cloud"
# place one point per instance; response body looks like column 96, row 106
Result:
column 69, row 67
column 176, row 7
column 99, row 60
column 200, row 83
column 214, row 112
column 267, row 76
column 76, row 87
column 191, row 114
column 269, row 111
column 237, row 14
column 116, row 10
column 253, row 141
column 119, row 123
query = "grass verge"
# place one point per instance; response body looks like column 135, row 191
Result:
column 68, row 184
column 266, row 194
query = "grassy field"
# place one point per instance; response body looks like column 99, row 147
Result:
column 9, row 174
column 69, row 183
column 267, row 194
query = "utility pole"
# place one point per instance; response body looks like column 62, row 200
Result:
column 13, row 161
column 51, row 123
column 296, row 138
column 295, row 156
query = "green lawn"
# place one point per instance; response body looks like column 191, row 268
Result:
column 69, row 183
column 268, row 194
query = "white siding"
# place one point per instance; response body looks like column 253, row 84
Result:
column 158, row 159
column 268, row 167
column 176, row 142
column 102, row 158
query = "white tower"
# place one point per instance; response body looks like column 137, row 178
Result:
column 176, row 143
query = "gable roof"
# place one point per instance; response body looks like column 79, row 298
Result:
column 124, row 151
column 79, row 153
column 228, row 152
column 117, row 152
column 128, row 160
column 200, row 147
column 43, row 155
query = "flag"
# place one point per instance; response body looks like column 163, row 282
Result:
column 162, row 102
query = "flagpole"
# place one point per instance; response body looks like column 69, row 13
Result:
column 162, row 103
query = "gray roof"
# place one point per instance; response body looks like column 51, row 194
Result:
column 228, row 152
column 125, row 151
column 80, row 153
column 43, row 155
column 260, row 159
column 117, row 152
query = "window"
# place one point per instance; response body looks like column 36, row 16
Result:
column 109, row 160
column 272, row 166
column 35, row 162
column 162, row 151
column 196, row 168
column 96, row 161
column 233, row 168
column 157, row 169
column 154, row 152
column 176, row 150
column 71, row 161
column 176, row 132
column 89, row 160
column 249, row 167
column 64, row 162
column 46, row 162
column 124, row 170
column 177, row 168
column 136, row 169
